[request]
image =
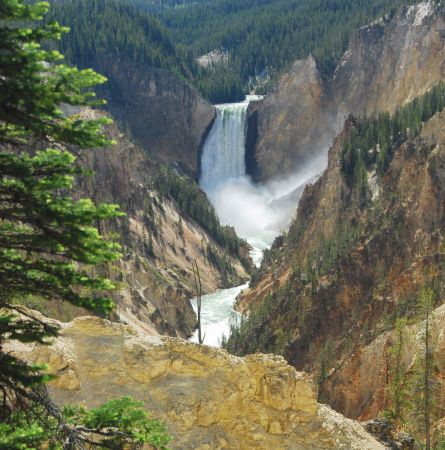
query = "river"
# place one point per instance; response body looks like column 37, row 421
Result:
column 217, row 309
column 258, row 212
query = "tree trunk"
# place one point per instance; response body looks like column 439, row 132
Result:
column 198, row 287
column 427, row 386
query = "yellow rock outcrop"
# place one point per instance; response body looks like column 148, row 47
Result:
column 208, row 398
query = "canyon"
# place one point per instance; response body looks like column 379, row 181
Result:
column 386, row 64
column 255, row 195
column 160, row 242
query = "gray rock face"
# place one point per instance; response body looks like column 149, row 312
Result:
column 292, row 123
column 386, row 64
column 390, row 62
column 162, row 112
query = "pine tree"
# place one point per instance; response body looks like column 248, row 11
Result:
column 397, row 386
column 47, row 239
column 423, row 383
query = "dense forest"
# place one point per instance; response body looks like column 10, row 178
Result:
column 111, row 29
column 262, row 37
column 161, row 5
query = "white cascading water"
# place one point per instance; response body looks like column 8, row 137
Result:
column 223, row 153
column 257, row 212
column 222, row 168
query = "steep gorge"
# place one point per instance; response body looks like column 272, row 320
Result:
column 364, row 241
column 338, row 279
column 387, row 63
column 160, row 241
column 163, row 113
column 305, row 311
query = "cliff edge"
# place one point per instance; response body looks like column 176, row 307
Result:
column 208, row 398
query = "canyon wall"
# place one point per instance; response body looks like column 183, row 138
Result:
column 159, row 241
column 335, row 283
column 163, row 113
column 386, row 64
column 359, row 386
column 208, row 398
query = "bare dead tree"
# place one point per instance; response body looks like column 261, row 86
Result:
column 198, row 288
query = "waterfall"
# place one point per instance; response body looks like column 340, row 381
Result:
column 223, row 152
column 256, row 211
column 237, row 200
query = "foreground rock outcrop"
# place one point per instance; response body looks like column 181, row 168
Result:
column 386, row 64
column 208, row 398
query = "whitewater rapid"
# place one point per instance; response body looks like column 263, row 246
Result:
column 257, row 212
column 226, row 184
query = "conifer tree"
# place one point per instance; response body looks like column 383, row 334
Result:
column 424, row 386
column 47, row 239
column 397, row 386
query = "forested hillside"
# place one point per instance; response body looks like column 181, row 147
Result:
column 266, row 36
column 111, row 29
column 125, row 29
column 161, row 5
column 148, row 89
column 262, row 37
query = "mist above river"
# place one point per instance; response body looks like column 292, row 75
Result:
column 258, row 212
column 262, row 209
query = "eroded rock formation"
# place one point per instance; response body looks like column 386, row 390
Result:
column 359, row 387
column 386, row 64
column 208, row 398
column 290, row 124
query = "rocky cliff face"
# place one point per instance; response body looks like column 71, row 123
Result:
column 334, row 284
column 358, row 388
column 159, row 242
column 285, row 121
column 391, row 61
column 386, row 64
column 208, row 399
column 163, row 113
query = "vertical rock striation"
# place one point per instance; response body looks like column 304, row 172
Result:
column 386, row 64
